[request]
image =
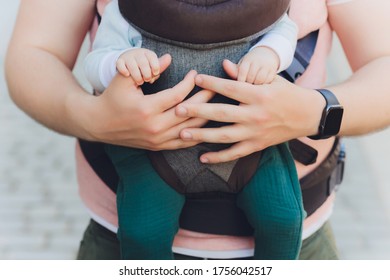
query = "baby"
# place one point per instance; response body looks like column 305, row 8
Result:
column 150, row 201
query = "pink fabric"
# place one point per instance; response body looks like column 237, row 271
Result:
column 93, row 191
column 101, row 4
column 309, row 16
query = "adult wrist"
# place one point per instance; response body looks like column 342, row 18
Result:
column 78, row 110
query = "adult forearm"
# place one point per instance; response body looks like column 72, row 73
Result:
column 366, row 98
column 42, row 86
column 362, row 29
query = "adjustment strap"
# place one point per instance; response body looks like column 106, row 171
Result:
column 303, row 152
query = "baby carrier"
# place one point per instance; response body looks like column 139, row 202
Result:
column 200, row 34
column 217, row 212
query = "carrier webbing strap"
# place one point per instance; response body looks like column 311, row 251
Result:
column 302, row 152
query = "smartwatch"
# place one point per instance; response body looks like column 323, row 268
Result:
column 331, row 118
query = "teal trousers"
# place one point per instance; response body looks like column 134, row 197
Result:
column 149, row 209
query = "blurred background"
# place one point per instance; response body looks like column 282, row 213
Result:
column 41, row 215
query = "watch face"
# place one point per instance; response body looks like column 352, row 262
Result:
column 333, row 120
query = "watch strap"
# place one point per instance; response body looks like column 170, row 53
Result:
column 329, row 96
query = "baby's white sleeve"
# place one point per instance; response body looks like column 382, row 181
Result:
column 282, row 38
column 114, row 37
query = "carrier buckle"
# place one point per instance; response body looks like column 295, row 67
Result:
column 337, row 175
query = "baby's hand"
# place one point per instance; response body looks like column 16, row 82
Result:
column 259, row 66
column 141, row 64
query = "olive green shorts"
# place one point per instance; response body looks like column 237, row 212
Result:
column 99, row 243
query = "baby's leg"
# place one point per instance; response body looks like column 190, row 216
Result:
column 273, row 205
column 148, row 208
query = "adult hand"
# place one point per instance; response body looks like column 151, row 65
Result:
column 123, row 115
column 267, row 115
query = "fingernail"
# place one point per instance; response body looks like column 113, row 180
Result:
column 204, row 160
column 181, row 111
column 186, row 135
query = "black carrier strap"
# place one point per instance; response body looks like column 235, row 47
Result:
column 303, row 53
column 302, row 152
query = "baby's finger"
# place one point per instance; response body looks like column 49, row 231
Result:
column 132, row 66
column 154, row 79
column 154, row 63
column 121, row 67
column 261, row 77
column 270, row 77
column 230, row 68
column 243, row 69
column 144, row 67
column 252, row 73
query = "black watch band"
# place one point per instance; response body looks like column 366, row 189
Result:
column 331, row 118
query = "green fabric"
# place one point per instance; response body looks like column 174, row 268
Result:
column 272, row 203
column 321, row 245
column 99, row 243
column 149, row 210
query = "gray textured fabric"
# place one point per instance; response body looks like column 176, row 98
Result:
column 205, row 58
column 196, row 176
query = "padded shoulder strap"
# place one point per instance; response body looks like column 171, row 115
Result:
column 203, row 21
